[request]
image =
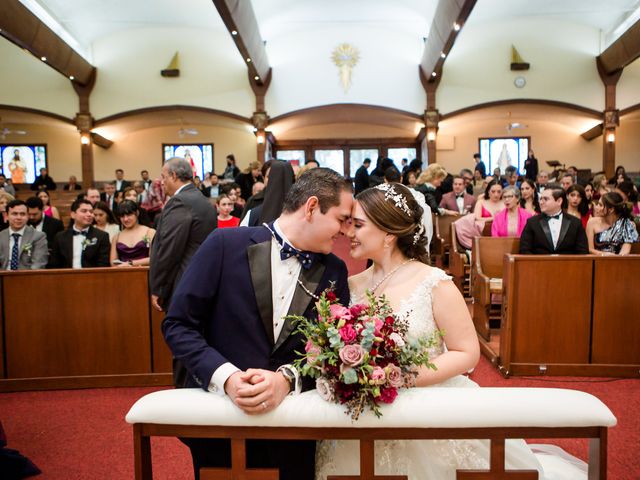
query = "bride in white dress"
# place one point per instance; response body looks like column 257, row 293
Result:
column 386, row 227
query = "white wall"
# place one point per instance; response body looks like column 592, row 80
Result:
column 562, row 58
column 28, row 82
column 304, row 74
column 628, row 88
column 212, row 73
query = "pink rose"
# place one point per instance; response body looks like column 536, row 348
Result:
column 378, row 377
column 388, row 395
column 397, row 339
column 312, row 352
column 394, row 374
column 352, row 355
column 338, row 311
column 325, row 390
column 347, row 333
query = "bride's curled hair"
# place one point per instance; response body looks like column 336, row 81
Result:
column 392, row 208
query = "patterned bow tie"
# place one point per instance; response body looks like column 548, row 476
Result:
column 82, row 232
column 556, row 216
column 306, row 259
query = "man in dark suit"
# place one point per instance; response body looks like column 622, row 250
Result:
column 479, row 165
column 43, row 181
column 109, row 194
column 226, row 322
column 361, row 178
column 42, row 223
column 553, row 232
column 120, row 182
column 186, row 221
column 81, row 245
column 458, row 200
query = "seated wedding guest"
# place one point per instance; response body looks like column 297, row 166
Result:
column 247, row 178
column 105, row 220
column 92, row 195
column 588, row 191
column 138, row 186
column 212, row 190
column 257, row 198
column 120, row 182
column 529, row 196
column 257, row 188
column 458, row 201
column 553, row 232
column 230, row 191
column 510, row 221
column 82, row 245
column 43, row 181
column 566, row 181
column 510, row 177
column 131, row 194
column 72, row 185
column 197, row 182
column 611, row 230
column 620, row 172
column 6, row 186
column 491, row 203
column 37, row 219
column 145, row 179
column 49, row 210
column 108, row 196
column 130, row 247
column 542, row 180
column 427, row 184
column 411, row 179
column 467, row 176
column 21, row 246
column 280, row 178
column 599, row 185
column 225, row 207
column 577, row 203
column 629, row 194
column 5, row 198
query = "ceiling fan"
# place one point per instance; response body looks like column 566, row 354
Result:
column 4, row 131
column 185, row 130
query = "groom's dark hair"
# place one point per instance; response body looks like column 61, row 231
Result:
column 323, row 183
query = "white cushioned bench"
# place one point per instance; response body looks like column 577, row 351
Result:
column 431, row 413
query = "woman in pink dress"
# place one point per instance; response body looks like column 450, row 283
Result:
column 510, row 221
column 49, row 210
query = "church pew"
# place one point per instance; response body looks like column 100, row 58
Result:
column 459, row 266
column 85, row 328
column 486, row 272
column 570, row 315
column 462, row 413
column 441, row 239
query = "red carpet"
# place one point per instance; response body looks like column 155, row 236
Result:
column 81, row 434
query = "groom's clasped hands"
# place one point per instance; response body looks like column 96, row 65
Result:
column 256, row 391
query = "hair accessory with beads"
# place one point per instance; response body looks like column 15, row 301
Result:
column 390, row 193
column 418, row 234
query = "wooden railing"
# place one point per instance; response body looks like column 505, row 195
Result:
column 79, row 329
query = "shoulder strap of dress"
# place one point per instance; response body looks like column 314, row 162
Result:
column 436, row 276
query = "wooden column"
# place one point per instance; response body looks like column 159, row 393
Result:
column 431, row 117
column 611, row 117
column 84, row 124
column 260, row 118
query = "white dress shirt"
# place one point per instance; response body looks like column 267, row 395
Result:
column 460, row 202
column 284, row 279
column 554, row 226
column 12, row 241
column 77, row 248
column 39, row 226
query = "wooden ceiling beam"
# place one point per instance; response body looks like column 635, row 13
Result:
column 240, row 20
column 447, row 23
column 19, row 25
column 621, row 52
column 593, row 133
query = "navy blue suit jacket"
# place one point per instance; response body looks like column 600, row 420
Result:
column 222, row 311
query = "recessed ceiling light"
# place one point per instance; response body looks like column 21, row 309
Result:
column 443, row 55
column 44, row 59
column 256, row 77
column 233, row 32
column 71, row 77
column 456, row 26
column 433, row 74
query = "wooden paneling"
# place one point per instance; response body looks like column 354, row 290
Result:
column 83, row 322
column 549, row 309
column 616, row 311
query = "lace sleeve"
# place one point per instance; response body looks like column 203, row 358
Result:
column 435, row 278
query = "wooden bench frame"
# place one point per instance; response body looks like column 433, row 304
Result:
column 142, row 433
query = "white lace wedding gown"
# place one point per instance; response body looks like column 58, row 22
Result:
column 439, row 459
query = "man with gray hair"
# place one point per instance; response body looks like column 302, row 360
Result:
column 185, row 222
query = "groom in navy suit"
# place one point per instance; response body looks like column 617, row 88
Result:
column 225, row 322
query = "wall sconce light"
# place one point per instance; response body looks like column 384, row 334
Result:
column 84, row 139
column 431, row 136
column 611, row 137
column 260, row 138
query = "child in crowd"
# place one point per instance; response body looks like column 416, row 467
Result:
column 225, row 207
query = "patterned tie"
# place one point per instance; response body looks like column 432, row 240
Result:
column 15, row 251
column 306, row 259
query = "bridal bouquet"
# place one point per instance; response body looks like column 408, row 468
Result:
column 360, row 356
